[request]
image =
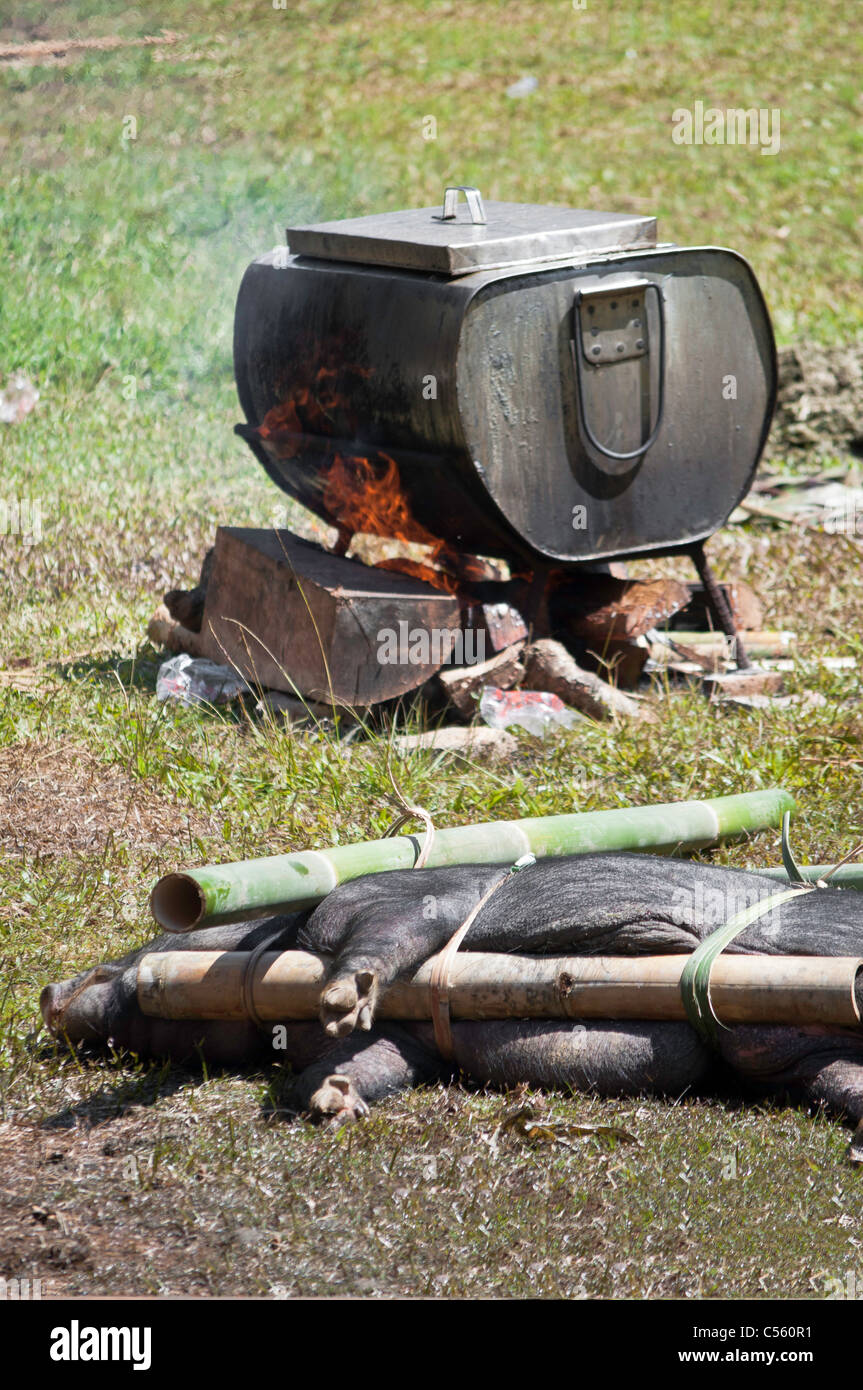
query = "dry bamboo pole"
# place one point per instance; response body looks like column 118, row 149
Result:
column 763, row 641
column 287, row 984
column 759, row 642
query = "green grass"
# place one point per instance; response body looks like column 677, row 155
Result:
column 121, row 262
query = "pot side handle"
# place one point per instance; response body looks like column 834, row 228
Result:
column 611, row 338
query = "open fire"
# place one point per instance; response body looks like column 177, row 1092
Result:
column 362, row 494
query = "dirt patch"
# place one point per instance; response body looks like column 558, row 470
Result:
column 21, row 54
column 80, row 1206
column 57, row 798
column 820, row 404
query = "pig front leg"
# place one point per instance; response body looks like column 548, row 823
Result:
column 838, row 1084
column 379, row 926
column 357, row 1072
column 338, row 1098
column 350, row 997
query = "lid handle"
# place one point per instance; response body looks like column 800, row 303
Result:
column 450, row 204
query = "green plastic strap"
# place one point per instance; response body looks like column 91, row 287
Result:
column 695, row 980
column 792, row 868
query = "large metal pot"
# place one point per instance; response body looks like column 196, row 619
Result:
column 552, row 384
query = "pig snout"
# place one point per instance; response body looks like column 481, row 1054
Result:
column 51, row 1004
column 76, row 1009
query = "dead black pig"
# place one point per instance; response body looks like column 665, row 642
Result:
column 380, row 926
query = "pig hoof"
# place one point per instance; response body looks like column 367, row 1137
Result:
column 348, row 1002
column 338, row 1100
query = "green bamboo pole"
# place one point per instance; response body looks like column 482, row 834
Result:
column 848, row 876
column 219, row 893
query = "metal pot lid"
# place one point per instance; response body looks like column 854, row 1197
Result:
column 448, row 241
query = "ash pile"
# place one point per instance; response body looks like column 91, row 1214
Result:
column 819, row 406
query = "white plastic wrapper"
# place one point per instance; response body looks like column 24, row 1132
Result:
column 195, row 681
column 537, row 711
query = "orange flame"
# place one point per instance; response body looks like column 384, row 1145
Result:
column 359, row 494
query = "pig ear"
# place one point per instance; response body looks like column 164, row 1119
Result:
column 339, row 1083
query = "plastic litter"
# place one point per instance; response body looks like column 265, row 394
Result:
column 193, row 680
column 17, row 398
column 537, row 711
column 524, row 87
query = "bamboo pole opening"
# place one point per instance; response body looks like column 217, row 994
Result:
column 177, row 902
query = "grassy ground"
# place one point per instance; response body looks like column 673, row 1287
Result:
column 137, row 184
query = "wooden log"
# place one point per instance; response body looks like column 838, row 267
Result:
column 549, row 666
column 599, row 606
column 502, row 624
column 462, row 684
column 746, row 607
column 290, row 616
column 749, row 682
column 186, row 606
column 680, row 657
column 483, row 985
column 459, row 739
